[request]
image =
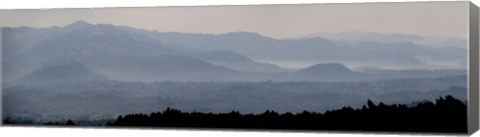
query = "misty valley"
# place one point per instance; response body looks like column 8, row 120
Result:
column 91, row 74
column 96, row 100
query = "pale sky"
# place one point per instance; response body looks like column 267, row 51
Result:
column 278, row 21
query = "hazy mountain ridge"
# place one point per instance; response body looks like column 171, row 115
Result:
column 89, row 72
column 316, row 48
column 61, row 71
column 78, row 40
column 363, row 36
column 164, row 68
column 16, row 41
column 238, row 62
column 258, row 47
column 230, row 56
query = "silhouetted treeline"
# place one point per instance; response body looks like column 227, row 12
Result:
column 67, row 123
column 446, row 114
column 18, row 121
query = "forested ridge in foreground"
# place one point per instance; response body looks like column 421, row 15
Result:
column 447, row 114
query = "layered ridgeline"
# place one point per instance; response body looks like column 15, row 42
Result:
column 93, row 72
column 61, row 71
column 128, row 54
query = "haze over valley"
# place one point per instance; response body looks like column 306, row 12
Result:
column 99, row 71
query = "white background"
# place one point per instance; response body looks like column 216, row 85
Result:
column 88, row 132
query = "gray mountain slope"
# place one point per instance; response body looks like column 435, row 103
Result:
column 78, row 41
column 126, row 53
column 238, row 62
column 362, row 36
column 331, row 72
column 160, row 68
column 61, row 71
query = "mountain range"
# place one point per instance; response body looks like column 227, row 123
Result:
column 86, row 71
column 103, row 51
column 61, row 71
column 363, row 36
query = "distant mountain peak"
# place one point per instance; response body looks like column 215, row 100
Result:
column 80, row 22
column 243, row 32
column 366, row 36
column 104, row 26
column 78, row 25
column 246, row 34
column 322, row 65
column 224, row 55
column 326, row 68
column 106, row 31
column 61, row 71
column 63, row 62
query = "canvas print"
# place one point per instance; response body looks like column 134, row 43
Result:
column 399, row 67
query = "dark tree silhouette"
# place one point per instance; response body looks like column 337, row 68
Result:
column 70, row 123
column 446, row 115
